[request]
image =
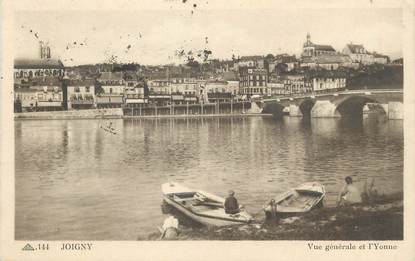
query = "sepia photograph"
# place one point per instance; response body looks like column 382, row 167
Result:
column 200, row 125
column 191, row 122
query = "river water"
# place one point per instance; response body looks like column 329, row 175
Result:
column 75, row 181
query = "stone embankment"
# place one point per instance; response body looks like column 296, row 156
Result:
column 118, row 114
column 73, row 114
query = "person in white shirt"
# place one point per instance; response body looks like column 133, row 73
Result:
column 170, row 228
column 349, row 195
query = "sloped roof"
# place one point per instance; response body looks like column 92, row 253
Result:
column 325, row 74
column 217, row 82
column 322, row 47
column 86, row 82
column 327, row 59
column 251, row 57
column 48, row 88
column 378, row 55
column 45, row 81
column 354, row 48
column 25, row 90
column 286, row 58
column 38, row 64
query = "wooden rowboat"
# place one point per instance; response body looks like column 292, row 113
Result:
column 201, row 206
column 298, row 200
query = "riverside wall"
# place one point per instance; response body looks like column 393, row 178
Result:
column 180, row 111
column 73, row 114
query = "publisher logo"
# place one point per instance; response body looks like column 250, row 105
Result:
column 28, row 247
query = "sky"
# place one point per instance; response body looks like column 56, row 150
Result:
column 154, row 36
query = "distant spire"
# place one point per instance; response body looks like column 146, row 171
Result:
column 41, row 49
column 44, row 50
column 308, row 37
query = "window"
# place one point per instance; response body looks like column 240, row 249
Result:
column 87, row 89
column 77, row 89
column 110, row 90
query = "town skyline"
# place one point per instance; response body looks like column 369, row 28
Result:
column 97, row 40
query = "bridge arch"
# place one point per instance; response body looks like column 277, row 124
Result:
column 273, row 108
column 352, row 106
column 306, row 106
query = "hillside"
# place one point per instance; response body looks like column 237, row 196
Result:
column 376, row 77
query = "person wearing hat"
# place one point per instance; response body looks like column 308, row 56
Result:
column 231, row 203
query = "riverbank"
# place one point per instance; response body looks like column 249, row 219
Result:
column 380, row 219
column 118, row 114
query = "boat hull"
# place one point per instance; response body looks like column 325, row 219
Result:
column 212, row 217
column 207, row 221
column 311, row 188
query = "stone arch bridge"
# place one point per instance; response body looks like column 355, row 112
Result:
column 350, row 103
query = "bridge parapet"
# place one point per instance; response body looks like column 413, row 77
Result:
column 340, row 103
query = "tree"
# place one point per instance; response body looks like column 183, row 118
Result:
column 269, row 57
column 98, row 88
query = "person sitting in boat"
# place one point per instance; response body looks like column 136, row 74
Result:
column 231, row 204
column 349, row 195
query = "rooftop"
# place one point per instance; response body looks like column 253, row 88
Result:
column 217, row 82
column 356, row 48
column 86, row 82
column 45, row 81
column 378, row 55
column 322, row 47
column 324, row 59
column 38, row 64
column 47, row 88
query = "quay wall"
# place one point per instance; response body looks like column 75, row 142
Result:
column 184, row 116
column 191, row 109
column 177, row 111
column 73, row 114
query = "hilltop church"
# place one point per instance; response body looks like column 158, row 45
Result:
column 310, row 49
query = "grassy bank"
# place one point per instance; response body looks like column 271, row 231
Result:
column 378, row 219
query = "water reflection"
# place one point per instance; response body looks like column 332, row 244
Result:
column 76, row 181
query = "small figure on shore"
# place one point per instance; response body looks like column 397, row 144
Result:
column 231, row 203
column 170, row 229
column 349, row 194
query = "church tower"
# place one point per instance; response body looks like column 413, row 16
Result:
column 44, row 50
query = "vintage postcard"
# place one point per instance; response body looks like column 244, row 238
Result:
column 207, row 130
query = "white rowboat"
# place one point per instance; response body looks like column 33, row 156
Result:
column 298, row 200
column 201, row 206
